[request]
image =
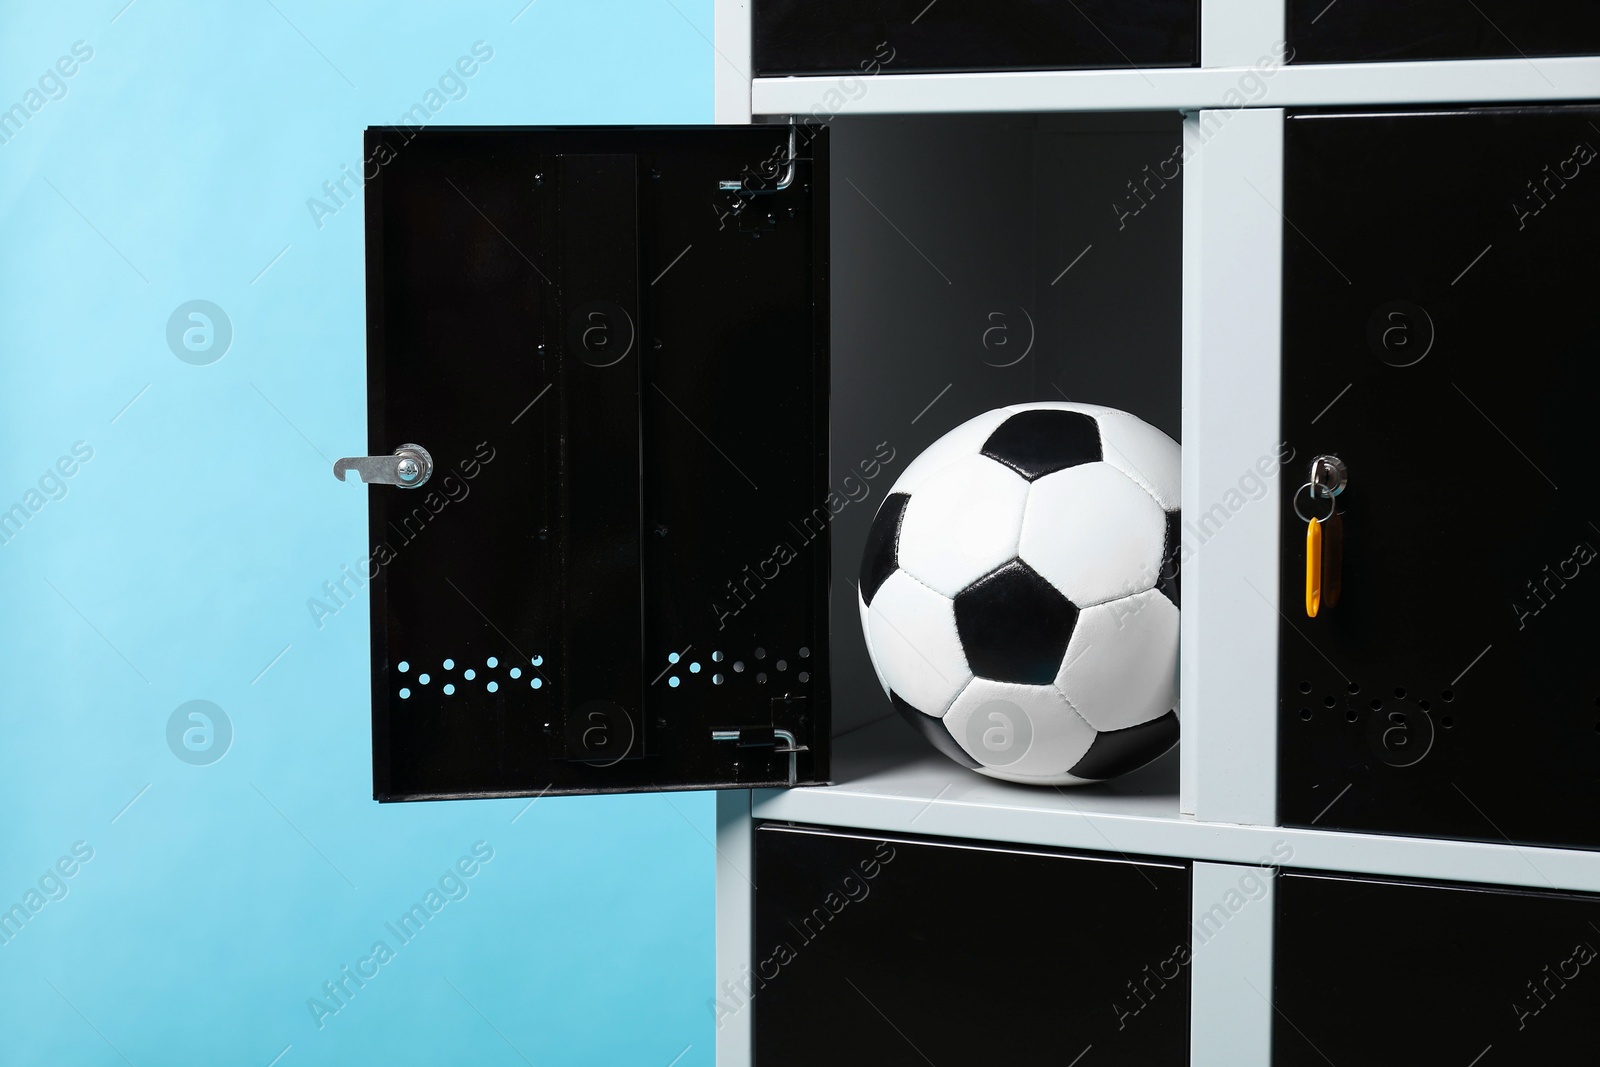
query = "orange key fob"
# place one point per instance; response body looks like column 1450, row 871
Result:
column 1313, row 568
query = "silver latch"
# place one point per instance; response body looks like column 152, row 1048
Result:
column 408, row 468
column 787, row 157
column 758, row 737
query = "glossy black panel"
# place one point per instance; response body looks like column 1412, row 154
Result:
column 1439, row 302
column 1116, row 752
column 1387, row 30
column 898, row 952
column 574, row 322
column 881, row 555
column 868, row 37
column 1014, row 625
column 602, row 608
column 1387, row 973
column 1040, row 442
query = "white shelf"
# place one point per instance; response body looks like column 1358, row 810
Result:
column 890, row 781
column 1183, row 88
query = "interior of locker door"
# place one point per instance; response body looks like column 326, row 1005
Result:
column 613, row 343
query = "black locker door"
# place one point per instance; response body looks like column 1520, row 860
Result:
column 895, row 951
column 1392, row 973
column 1322, row 31
column 612, row 344
column 1440, row 323
column 870, row 37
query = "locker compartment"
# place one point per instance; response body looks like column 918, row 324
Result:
column 1389, row 972
column 888, row 951
column 876, row 37
column 981, row 261
column 668, row 375
column 1438, row 310
column 1354, row 31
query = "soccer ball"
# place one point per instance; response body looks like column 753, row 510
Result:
column 1019, row 593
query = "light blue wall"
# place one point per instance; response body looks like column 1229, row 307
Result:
column 175, row 565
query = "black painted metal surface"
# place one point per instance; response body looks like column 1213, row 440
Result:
column 1439, row 314
column 893, row 951
column 1389, row 973
column 1352, row 31
column 869, row 37
column 620, row 368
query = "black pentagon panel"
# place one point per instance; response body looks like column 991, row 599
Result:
column 1043, row 441
column 1117, row 752
column 935, row 731
column 881, row 556
column 1014, row 625
column 1171, row 559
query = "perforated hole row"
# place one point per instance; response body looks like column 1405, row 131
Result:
column 1377, row 703
column 491, row 666
column 683, row 670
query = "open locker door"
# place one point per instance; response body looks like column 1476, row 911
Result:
column 597, row 425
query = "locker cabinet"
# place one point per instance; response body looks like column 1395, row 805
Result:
column 893, row 950
column 1438, row 307
column 1270, row 262
column 1393, row 972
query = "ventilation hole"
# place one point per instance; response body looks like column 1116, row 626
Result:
column 716, row 657
column 492, row 661
column 1596, row 725
column 1353, row 688
column 782, row 665
column 672, row 657
column 449, row 690
column 1305, row 714
column 538, row 661
column 404, row 666
column 805, row 676
column 761, row 678
column 805, row 653
column 493, row 687
column 1305, row 687
column 1447, row 695
column 1424, row 704
column 1596, row 699
column 1447, row 722
column 1352, row 715
column 761, row 653
column 516, row 672
column 716, row 679
column 1328, row 702
column 405, row 694
column 1399, row 692
column 738, row 666
column 673, row 681
column 537, row 683
column 449, row 664
column 694, row 668
column 469, row 674
column 1377, row 705
column 422, row 679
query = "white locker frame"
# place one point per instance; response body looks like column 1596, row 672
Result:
column 1224, row 816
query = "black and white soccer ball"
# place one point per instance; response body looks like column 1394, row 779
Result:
column 1019, row 593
